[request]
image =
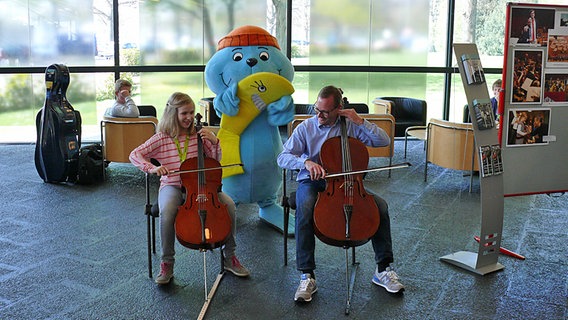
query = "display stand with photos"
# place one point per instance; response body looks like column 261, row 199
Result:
column 534, row 100
column 491, row 167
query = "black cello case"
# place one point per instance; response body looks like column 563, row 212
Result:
column 58, row 130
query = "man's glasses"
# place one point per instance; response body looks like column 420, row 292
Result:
column 323, row 112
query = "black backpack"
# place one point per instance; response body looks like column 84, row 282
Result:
column 91, row 164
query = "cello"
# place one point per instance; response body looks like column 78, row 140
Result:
column 345, row 215
column 202, row 221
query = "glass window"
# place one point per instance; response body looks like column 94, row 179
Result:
column 186, row 33
column 364, row 87
column 164, row 35
column 354, row 85
column 484, row 25
column 24, row 96
column 331, row 33
column 360, row 33
column 156, row 87
column 52, row 31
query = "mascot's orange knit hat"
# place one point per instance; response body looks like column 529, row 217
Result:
column 248, row 36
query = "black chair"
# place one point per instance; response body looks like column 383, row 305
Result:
column 359, row 107
column 205, row 107
column 288, row 202
column 147, row 111
column 303, row 108
column 466, row 117
column 151, row 211
column 408, row 112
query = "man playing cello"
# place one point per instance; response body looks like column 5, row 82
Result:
column 302, row 152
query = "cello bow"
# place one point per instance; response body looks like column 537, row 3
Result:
column 395, row 166
column 206, row 169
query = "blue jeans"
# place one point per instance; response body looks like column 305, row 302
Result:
column 306, row 196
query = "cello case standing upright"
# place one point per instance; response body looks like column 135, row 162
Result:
column 58, row 130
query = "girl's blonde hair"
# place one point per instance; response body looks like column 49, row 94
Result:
column 169, row 123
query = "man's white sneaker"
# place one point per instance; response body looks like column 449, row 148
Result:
column 388, row 279
column 306, row 288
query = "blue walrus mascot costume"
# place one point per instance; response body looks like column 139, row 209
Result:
column 252, row 78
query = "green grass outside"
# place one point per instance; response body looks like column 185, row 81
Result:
column 358, row 86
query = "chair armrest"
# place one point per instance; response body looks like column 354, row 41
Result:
column 141, row 119
column 416, row 131
column 416, row 128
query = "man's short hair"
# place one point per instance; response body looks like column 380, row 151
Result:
column 334, row 91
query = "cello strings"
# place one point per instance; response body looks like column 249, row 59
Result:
column 347, row 165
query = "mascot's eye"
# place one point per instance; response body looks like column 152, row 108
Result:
column 259, row 85
column 237, row 56
column 264, row 56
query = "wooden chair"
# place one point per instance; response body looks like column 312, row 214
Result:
column 451, row 145
column 418, row 132
column 388, row 124
column 119, row 136
column 381, row 106
column 298, row 118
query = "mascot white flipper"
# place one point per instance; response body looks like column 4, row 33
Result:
column 255, row 92
column 248, row 51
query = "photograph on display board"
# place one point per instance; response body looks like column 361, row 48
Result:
column 528, row 127
column 526, row 85
column 561, row 20
column 557, row 51
column 530, row 26
column 556, row 87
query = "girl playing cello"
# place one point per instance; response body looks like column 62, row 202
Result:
column 175, row 141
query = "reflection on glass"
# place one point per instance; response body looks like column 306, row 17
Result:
column 187, row 32
column 332, row 33
column 50, row 32
column 156, row 87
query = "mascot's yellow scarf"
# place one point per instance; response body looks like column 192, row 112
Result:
column 256, row 92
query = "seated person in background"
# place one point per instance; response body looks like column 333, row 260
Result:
column 495, row 99
column 123, row 105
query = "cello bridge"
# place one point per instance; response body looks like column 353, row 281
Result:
column 201, row 198
column 348, row 185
